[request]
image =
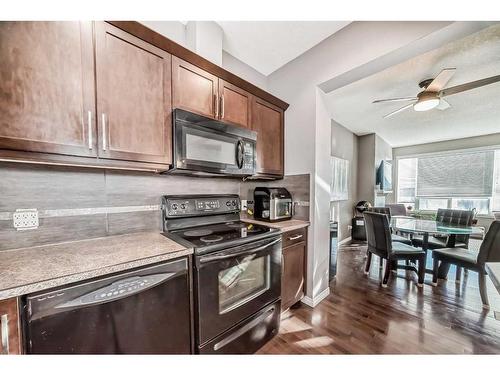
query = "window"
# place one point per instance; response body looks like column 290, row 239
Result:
column 496, row 183
column 482, row 205
column 432, row 204
column 407, row 180
column 461, row 180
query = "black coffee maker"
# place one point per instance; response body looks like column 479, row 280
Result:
column 272, row 204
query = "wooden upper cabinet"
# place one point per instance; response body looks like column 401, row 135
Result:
column 234, row 104
column 267, row 121
column 133, row 98
column 47, row 87
column 194, row 89
column 10, row 329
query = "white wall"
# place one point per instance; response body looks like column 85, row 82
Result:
column 205, row 38
column 173, row 30
column 345, row 146
column 235, row 66
column 296, row 83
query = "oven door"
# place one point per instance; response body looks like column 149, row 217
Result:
column 234, row 284
column 213, row 148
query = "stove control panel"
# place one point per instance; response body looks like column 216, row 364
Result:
column 177, row 206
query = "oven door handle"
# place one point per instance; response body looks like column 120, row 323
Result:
column 227, row 255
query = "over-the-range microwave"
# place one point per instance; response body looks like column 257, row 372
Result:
column 204, row 146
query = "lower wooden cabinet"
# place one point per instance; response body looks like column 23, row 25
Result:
column 293, row 275
column 10, row 333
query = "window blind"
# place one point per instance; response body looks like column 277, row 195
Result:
column 465, row 174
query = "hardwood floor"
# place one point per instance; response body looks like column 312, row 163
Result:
column 361, row 317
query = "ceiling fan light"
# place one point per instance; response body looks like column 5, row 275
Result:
column 426, row 104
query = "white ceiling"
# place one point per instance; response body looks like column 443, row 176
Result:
column 476, row 112
column 268, row 45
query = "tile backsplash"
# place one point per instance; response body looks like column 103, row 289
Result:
column 79, row 203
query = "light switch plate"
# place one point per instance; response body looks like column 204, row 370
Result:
column 25, row 218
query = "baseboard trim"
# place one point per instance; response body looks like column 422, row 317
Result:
column 345, row 240
column 313, row 302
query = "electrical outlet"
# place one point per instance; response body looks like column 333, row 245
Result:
column 25, row 218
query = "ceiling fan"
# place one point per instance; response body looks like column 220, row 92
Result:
column 434, row 92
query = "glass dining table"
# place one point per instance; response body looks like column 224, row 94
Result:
column 411, row 225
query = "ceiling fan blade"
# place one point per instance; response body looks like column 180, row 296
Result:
column 404, row 99
column 469, row 86
column 441, row 80
column 443, row 105
column 398, row 110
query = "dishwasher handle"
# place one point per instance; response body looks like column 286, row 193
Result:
column 119, row 289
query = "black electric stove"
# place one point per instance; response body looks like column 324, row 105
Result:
column 236, row 272
column 209, row 223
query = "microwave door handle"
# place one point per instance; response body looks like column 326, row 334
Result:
column 235, row 254
column 239, row 154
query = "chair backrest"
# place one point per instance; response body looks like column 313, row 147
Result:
column 378, row 233
column 490, row 248
column 397, row 209
column 381, row 210
column 461, row 217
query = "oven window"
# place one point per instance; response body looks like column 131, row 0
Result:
column 209, row 149
column 243, row 282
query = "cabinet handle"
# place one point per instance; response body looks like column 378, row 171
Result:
column 216, row 106
column 296, row 237
column 222, row 106
column 89, row 128
column 104, row 145
column 5, row 333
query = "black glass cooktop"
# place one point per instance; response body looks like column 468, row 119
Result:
column 223, row 234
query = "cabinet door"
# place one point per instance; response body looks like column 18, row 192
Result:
column 234, row 104
column 194, row 89
column 47, row 87
column 267, row 121
column 10, row 342
column 133, row 98
column 292, row 275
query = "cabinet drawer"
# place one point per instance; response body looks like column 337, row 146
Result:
column 293, row 237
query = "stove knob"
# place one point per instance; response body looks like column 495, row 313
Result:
column 183, row 206
column 174, row 206
column 234, row 203
column 228, row 203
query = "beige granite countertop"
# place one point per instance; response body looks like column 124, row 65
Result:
column 32, row 269
column 284, row 226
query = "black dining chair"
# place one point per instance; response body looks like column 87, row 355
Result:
column 387, row 211
column 488, row 252
column 448, row 216
column 397, row 209
column 379, row 238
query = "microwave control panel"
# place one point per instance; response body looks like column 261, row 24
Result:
column 248, row 155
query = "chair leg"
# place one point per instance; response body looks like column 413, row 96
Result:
column 421, row 272
column 387, row 273
column 394, row 266
column 368, row 262
column 482, row 290
column 435, row 268
column 458, row 275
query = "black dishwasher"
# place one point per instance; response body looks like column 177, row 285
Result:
column 144, row 311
